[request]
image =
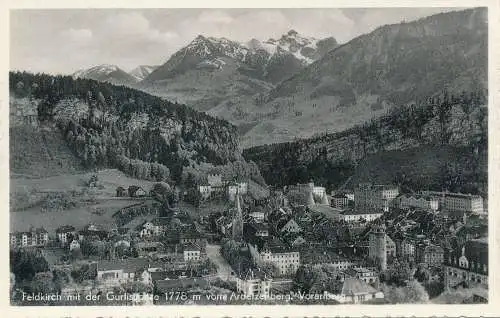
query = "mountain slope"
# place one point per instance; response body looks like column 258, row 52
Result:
column 216, row 71
column 107, row 73
column 119, row 127
column 142, row 71
column 394, row 65
column 440, row 143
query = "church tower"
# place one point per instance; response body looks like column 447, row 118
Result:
column 238, row 221
column 378, row 248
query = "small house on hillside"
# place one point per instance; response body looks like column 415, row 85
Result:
column 121, row 192
column 136, row 192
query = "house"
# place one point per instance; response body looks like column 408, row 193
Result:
column 378, row 197
column 357, row 215
column 254, row 228
column 33, row 237
column 164, row 287
column 148, row 248
column 215, row 179
column 205, row 190
column 468, row 265
column 234, row 188
column 254, row 282
column 263, row 250
column 291, row 227
column 367, row 275
column 433, row 255
column 191, row 252
column 116, row 272
column 354, row 291
column 318, row 257
column 92, row 231
column 458, row 202
column 136, row 192
column 121, row 192
column 65, row 234
column 74, row 245
column 258, row 216
column 418, row 201
column 339, row 201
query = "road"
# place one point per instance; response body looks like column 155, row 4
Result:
column 223, row 268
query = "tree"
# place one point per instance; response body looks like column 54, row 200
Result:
column 76, row 253
column 413, row 293
column 271, row 269
column 43, row 282
column 26, row 263
column 162, row 192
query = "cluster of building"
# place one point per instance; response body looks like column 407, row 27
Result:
column 216, row 186
column 357, row 233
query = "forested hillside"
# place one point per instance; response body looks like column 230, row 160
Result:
column 115, row 126
column 390, row 67
column 439, row 142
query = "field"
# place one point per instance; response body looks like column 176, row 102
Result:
column 29, row 200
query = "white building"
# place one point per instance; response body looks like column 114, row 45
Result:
column 205, row 191
column 421, row 202
column 234, row 188
column 257, row 216
column 116, row 272
column 286, row 260
column 339, row 201
column 191, row 253
column 356, row 216
column 458, row 201
column 254, row 282
column 74, row 245
column 65, row 234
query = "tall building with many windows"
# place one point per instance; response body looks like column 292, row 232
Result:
column 375, row 196
column 458, row 201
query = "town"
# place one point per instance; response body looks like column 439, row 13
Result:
column 298, row 244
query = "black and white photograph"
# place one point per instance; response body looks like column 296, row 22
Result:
column 260, row 156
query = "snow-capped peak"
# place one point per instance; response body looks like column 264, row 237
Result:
column 142, row 71
column 102, row 69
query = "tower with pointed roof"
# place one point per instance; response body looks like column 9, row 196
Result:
column 238, row 221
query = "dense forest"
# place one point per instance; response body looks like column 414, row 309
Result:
column 116, row 126
column 457, row 124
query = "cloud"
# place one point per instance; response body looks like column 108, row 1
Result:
column 218, row 17
column 77, row 36
column 135, row 27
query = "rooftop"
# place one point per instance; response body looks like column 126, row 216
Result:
column 353, row 286
column 127, row 265
column 181, row 284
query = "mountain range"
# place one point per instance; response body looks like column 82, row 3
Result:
column 295, row 86
column 106, row 73
column 142, row 71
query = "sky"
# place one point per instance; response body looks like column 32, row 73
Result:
column 61, row 41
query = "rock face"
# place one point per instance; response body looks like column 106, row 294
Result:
column 393, row 66
column 217, row 72
column 461, row 125
column 103, row 124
